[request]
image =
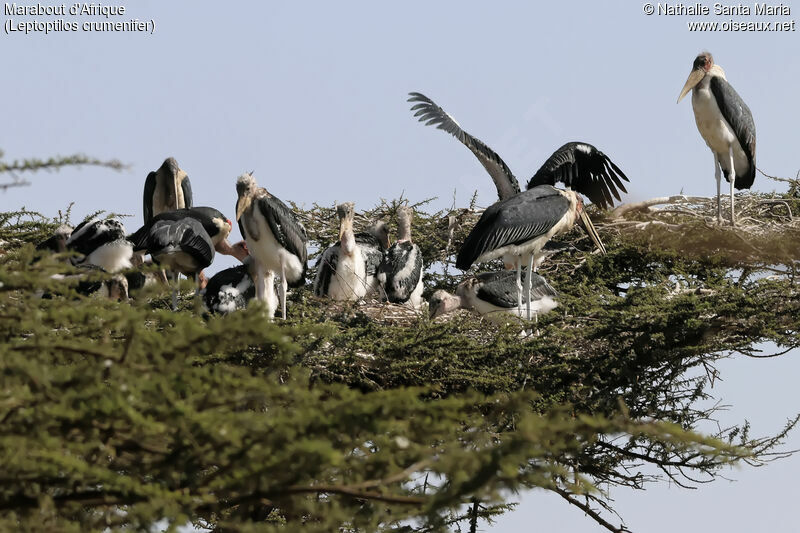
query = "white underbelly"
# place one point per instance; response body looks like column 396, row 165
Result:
column 269, row 253
column 350, row 280
column 716, row 131
column 503, row 315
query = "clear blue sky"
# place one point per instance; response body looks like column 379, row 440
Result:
column 312, row 97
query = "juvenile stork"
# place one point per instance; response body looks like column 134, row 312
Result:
column 578, row 165
column 231, row 289
column 726, row 124
column 494, row 295
column 348, row 269
column 400, row 272
column 517, row 228
column 56, row 243
column 101, row 243
column 166, row 189
column 275, row 238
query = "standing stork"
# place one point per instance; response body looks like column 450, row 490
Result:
column 726, row 124
column 166, row 189
column 400, row 272
column 578, row 165
column 517, row 228
column 348, row 269
column 213, row 221
column 494, row 295
column 182, row 245
column 276, row 240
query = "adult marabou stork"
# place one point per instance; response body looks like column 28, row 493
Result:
column 181, row 245
column 101, row 243
column 578, row 165
column 348, row 269
column 275, row 238
column 166, row 189
column 517, row 228
column 400, row 272
column 494, row 295
column 213, row 221
column 726, row 124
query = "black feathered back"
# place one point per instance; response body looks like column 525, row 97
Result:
column 738, row 115
column 513, row 221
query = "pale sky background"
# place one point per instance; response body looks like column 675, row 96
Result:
column 312, row 96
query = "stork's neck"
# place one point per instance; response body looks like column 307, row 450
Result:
column 347, row 239
column 404, row 224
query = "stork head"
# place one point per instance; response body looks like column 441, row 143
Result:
column 442, row 302
column 245, row 186
column 703, row 64
column 345, row 212
column 170, row 165
column 381, row 232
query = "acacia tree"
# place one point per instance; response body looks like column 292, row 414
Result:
column 371, row 418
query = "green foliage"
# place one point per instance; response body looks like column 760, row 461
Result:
column 125, row 414
column 14, row 168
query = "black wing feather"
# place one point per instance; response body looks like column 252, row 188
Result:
column 738, row 115
column 147, row 197
column 371, row 250
column 230, row 276
column 400, row 280
column 91, row 234
column 186, row 187
column 500, row 288
column 513, row 221
column 585, row 169
column 284, row 225
column 326, row 269
column 433, row 115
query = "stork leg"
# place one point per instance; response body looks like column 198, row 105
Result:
column 284, row 289
column 270, row 298
column 732, row 176
column 260, row 281
column 718, row 175
column 519, row 287
column 528, row 283
column 175, row 286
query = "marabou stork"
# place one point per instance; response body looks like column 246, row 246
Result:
column 181, row 245
column 726, row 124
column 578, row 165
column 231, row 289
column 101, row 243
column 92, row 282
column 57, row 242
column 517, row 227
column 348, row 269
column 166, row 189
column 275, row 238
column 400, row 272
column 213, row 221
column 494, row 295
